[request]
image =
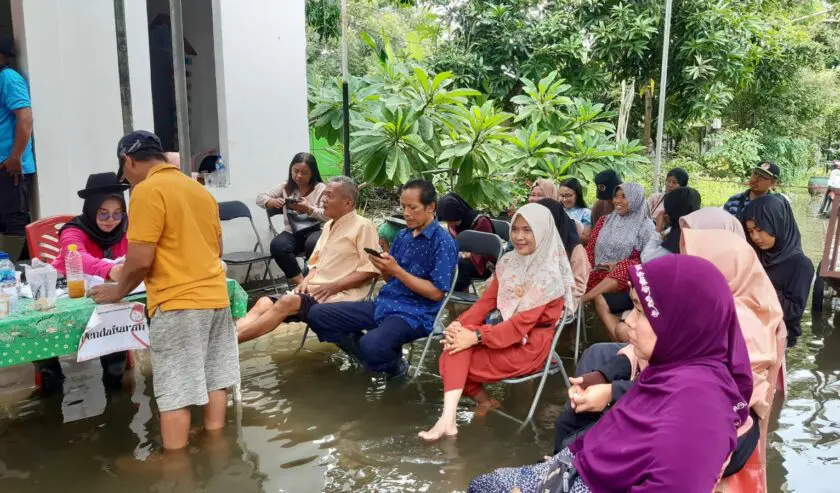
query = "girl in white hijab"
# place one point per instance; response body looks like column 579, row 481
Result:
column 509, row 331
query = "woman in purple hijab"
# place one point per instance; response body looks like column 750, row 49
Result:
column 675, row 429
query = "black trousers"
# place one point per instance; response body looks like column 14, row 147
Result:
column 52, row 376
column 286, row 246
column 14, row 203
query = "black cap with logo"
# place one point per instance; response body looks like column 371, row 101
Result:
column 606, row 181
column 135, row 142
column 768, row 169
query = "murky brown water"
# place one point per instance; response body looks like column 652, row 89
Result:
column 308, row 423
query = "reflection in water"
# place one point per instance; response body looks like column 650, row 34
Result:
column 309, row 422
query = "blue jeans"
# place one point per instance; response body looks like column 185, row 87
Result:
column 380, row 347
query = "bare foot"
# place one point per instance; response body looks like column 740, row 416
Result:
column 439, row 430
column 484, row 407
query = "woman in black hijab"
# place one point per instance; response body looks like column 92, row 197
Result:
column 460, row 217
column 567, row 228
column 772, row 231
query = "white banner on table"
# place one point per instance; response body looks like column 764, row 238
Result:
column 114, row 328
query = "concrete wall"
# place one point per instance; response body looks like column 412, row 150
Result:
column 70, row 60
column 262, row 101
column 137, row 34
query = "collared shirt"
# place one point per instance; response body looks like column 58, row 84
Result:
column 432, row 255
column 340, row 251
column 738, row 202
column 180, row 219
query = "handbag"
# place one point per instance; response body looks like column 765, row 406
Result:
column 301, row 223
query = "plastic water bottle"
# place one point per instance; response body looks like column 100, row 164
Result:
column 8, row 281
column 221, row 172
column 75, row 272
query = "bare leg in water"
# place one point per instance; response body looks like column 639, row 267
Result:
column 265, row 316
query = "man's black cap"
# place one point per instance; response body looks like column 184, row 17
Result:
column 134, row 142
column 606, row 182
column 769, row 169
column 7, row 47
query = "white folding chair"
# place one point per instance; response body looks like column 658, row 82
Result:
column 437, row 327
column 553, row 364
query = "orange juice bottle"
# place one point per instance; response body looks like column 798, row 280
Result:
column 75, row 272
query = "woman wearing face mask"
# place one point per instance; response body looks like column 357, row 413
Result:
column 300, row 198
column 772, row 231
column 676, row 178
column 615, row 244
column 679, row 203
column 460, row 217
column 692, row 396
column 508, row 332
column 99, row 236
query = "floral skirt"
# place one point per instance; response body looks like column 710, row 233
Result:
column 538, row 478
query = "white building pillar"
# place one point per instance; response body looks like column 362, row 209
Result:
column 70, row 60
column 139, row 70
column 260, row 52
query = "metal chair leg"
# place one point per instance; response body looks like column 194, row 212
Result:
column 271, row 275
column 577, row 335
column 422, row 356
column 303, row 339
column 248, row 273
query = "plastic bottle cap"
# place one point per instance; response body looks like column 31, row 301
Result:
column 4, row 256
column 72, row 247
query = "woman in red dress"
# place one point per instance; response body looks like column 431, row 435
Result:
column 525, row 299
column 616, row 243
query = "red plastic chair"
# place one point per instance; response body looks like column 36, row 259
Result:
column 42, row 237
column 42, row 240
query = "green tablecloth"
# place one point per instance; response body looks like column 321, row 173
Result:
column 30, row 335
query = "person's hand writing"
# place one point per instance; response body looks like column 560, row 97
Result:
column 322, row 292
column 116, row 272
column 592, row 400
column 385, row 263
column 463, row 339
column 105, row 294
column 274, row 204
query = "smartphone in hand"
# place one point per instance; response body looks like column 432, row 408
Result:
column 602, row 267
column 375, row 253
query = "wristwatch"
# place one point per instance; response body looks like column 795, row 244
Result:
column 478, row 335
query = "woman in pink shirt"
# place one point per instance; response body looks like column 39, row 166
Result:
column 99, row 235
column 99, row 232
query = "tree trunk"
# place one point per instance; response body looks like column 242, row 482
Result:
column 646, row 140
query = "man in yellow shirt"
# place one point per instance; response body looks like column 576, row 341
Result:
column 174, row 245
column 339, row 268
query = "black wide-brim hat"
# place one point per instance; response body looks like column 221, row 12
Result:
column 102, row 184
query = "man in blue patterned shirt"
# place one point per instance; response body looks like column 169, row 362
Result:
column 418, row 272
column 764, row 177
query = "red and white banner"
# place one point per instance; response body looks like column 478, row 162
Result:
column 114, row 328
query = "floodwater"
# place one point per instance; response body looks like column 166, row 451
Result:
column 309, row 422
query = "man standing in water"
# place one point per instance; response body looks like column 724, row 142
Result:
column 764, row 177
column 418, row 272
column 174, row 244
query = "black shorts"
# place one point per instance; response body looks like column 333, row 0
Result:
column 306, row 304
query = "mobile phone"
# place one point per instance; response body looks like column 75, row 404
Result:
column 373, row 252
column 602, row 267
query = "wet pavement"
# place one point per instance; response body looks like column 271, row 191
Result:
column 309, row 422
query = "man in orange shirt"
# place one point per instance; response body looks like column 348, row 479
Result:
column 339, row 268
column 174, row 245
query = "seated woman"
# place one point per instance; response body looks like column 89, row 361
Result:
column 300, row 198
column 461, row 217
column 681, row 202
column 615, row 244
column 713, row 218
column 543, row 189
column 759, row 314
column 675, row 179
column 574, row 250
column 571, row 195
column 772, row 231
column 99, row 236
column 526, row 299
column 676, row 428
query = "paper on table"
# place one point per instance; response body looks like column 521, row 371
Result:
column 90, row 281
